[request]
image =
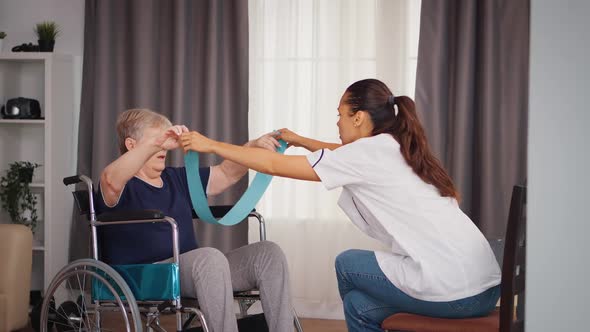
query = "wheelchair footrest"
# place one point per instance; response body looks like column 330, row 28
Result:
column 252, row 323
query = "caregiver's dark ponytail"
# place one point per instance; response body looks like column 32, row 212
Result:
column 397, row 117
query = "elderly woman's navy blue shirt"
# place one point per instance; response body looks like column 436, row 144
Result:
column 152, row 242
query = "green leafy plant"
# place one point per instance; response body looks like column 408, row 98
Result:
column 2, row 34
column 47, row 30
column 16, row 196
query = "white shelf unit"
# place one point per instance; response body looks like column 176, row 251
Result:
column 48, row 78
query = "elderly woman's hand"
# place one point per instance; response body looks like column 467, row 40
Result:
column 196, row 142
column 266, row 141
column 168, row 139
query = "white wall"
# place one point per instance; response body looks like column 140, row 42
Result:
column 558, row 275
column 18, row 19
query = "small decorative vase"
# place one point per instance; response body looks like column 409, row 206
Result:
column 46, row 45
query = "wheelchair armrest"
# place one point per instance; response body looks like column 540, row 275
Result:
column 218, row 211
column 131, row 215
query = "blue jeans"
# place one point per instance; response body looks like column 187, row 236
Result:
column 369, row 297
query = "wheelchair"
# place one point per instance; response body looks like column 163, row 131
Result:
column 89, row 295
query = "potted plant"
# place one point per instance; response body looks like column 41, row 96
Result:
column 46, row 33
column 16, row 196
column 2, row 36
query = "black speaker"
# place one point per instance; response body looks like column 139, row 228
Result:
column 21, row 108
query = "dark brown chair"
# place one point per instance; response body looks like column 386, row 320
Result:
column 510, row 316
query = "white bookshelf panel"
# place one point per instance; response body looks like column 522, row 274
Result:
column 48, row 78
column 37, row 279
column 39, row 235
column 23, row 79
column 22, row 143
column 22, row 122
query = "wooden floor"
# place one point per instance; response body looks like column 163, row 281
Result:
column 309, row 325
column 323, row 325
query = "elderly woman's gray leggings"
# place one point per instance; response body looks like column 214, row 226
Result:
column 211, row 277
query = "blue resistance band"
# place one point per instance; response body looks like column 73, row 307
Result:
column 241, row 209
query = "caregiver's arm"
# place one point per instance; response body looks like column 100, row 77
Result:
column 115, row 176
column 308, row 143
column 295, row 167
column 229, row 172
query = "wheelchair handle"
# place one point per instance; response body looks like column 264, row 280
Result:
column 72, row 180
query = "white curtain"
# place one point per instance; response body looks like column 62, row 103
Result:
column 303, row 55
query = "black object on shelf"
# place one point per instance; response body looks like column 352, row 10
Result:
column 21, row 108
column 46, row 45
column 24, row 47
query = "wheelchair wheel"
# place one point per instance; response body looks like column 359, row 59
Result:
column 74, row 308
column 68, row 315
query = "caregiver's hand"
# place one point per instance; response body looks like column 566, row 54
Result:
column 266, row 141
column 196, row 142
column 290, row 137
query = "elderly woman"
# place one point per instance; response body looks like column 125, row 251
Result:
column 139, row 179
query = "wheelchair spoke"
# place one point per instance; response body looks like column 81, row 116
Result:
column 59, row 317
column 82, row 300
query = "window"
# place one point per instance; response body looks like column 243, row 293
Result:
column 303, row 55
